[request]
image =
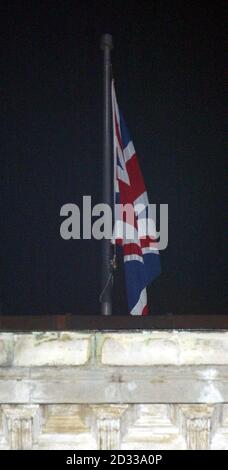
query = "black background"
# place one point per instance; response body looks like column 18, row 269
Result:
column 169, row 69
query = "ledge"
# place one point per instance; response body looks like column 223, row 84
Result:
column 115, row 322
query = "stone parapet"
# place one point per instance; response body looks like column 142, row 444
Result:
column 114, row 390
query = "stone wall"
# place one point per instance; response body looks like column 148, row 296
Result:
column 104, row 390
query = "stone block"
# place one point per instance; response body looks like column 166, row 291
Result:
column 52, row 349
column 163, row 348
column 6, row 348
column 140, row 349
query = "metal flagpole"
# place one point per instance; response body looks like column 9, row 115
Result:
column 106, row 295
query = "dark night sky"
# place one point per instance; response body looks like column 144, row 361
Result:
column 169, row 68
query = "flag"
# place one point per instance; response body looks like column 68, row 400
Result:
column 134, row 229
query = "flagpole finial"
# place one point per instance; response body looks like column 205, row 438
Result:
column 106, row 41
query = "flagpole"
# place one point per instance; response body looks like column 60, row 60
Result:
column 106, row 295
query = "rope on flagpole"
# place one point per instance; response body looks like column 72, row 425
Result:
column 113, row 267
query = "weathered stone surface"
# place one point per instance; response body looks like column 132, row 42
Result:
column 138, row 349
column 163, row 348
column 52, row 349
column 196, row 423
column 6, row 349
column 153, row 427
column 108, row 424
column 203, row 348
column 129, row 385
column 14, row 391
column 127, row 427
column 135, row 390
column 219, row 433
column 108, row 384
column 22, row 425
